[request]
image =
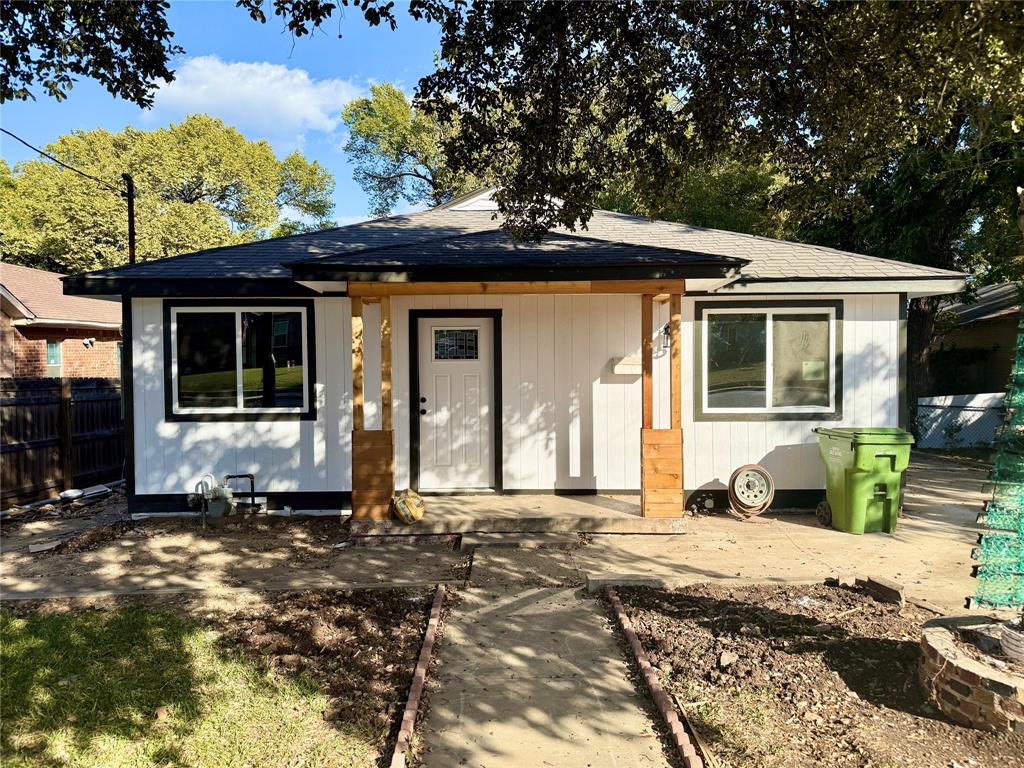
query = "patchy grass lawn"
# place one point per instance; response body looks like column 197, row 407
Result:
column 144, row 685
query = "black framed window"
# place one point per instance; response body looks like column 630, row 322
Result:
column 239, row 363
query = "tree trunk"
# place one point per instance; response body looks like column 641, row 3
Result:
column 920, row 327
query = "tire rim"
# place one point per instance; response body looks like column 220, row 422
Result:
column 752, row 487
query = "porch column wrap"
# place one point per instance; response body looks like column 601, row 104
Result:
column 373, row 451
column 661, row 450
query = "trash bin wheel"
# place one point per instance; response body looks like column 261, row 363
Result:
column 824, row 513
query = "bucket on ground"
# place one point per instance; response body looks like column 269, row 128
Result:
column 863, row 476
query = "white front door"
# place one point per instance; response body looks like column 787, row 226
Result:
column 456, row 403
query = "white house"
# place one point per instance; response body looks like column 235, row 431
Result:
column 430, row 350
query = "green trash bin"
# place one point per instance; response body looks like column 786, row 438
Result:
column 863, row 471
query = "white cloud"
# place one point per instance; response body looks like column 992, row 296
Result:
column 257, row 97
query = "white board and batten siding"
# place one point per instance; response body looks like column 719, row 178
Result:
column 285, row 456
column 568, row 421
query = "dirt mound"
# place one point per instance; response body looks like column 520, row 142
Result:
column 804, row 676
column 360, row 647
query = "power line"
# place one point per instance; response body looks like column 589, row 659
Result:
column 65, row 165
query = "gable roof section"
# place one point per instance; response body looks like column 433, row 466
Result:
column 466, row 235
column 36, row 297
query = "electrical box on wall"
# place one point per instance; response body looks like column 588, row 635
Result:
column 627, row 366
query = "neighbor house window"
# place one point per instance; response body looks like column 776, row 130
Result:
column 768, row 360
column 244, row 361
column 54, row 358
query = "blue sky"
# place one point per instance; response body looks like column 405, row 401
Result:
column 255, row 77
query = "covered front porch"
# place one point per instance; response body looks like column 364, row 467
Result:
column 476, row 498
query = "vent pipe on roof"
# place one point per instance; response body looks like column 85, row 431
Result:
column 129, row 194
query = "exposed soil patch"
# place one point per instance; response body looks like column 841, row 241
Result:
column 113, row 504
column 984, row 646
column 345, row 658
column 803, row 676
column 360, row 646
column 91, row 538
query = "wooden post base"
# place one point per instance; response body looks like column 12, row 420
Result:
column 373, row 473
column 661, row 470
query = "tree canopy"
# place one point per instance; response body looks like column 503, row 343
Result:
column 396, row 151
column 199, row 184
column 125, row 46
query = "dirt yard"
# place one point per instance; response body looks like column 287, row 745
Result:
column 311, row 678
column 104, row 554
column 802, row 677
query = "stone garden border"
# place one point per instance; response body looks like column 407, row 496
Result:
column 966, row 690
column 680, row 738
column 419, row 678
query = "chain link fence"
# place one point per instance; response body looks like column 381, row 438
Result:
column 959, row 421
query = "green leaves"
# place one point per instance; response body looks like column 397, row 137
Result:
column 125, row 46
column 396, row 151
column 199, row 184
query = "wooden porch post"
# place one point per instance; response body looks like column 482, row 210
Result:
column 647, row 352
column 357, row 365
column 386, row 419
column 373, row 451
column 661, row 450
column 675, row 326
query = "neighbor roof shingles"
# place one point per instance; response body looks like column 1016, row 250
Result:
column 43, row 295
column 768, row 259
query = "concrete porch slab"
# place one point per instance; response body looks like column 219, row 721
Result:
column 545, row 540
column 519, row 513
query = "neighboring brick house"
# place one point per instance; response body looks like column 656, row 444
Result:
column 45, row 333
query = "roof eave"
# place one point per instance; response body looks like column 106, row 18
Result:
column 923, row 285
column 13, row 306
column 56, row 322
column 509, row 273
column 162, row 287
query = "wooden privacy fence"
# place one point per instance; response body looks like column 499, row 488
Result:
column 58, row 434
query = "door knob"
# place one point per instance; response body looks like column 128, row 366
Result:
column 423, row 399
column 423, row 411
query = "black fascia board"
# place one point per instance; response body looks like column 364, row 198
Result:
column 507, row 273
column 164, row 287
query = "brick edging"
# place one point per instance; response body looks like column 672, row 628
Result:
column 419, row 677
column 680, row 737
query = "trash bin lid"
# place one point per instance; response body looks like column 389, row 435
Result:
column 869, row 435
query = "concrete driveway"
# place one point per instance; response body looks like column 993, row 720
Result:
column 930, row 551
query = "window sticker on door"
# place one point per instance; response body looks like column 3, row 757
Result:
column 455, row 344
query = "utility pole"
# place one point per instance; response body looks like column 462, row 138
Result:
column 129, row 194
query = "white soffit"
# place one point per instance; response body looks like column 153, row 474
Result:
column 325, row 286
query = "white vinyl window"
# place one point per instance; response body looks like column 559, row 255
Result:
column 773, row 360
column 239, row 360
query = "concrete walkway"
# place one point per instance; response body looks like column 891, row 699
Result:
column 534, row 676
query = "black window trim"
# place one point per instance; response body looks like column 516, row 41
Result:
column 307, row 414
column 701, row 307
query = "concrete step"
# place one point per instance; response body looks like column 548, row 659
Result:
column 521, row 524
column 472, row 541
